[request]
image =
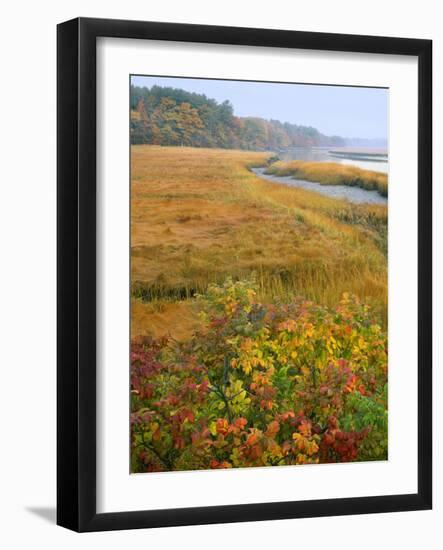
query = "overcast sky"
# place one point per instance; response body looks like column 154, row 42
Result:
column 341, row 110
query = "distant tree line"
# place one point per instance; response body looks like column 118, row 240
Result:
column 170, row 116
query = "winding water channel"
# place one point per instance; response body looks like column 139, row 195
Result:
column 352, row 194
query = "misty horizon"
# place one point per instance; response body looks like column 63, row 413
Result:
column 359, row 115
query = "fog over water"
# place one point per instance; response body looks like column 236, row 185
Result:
column 366, row 158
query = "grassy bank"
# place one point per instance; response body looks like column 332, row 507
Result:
column 199, row 215
column 331, row 173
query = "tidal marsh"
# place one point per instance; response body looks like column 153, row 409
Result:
column 200, row 215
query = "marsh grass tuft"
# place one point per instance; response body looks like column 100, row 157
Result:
column 331, row 173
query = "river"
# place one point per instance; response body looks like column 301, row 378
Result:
column 368, row 158
column 352, row 194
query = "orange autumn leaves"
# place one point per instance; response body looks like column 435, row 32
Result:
column 254, row 447
column 261, row 385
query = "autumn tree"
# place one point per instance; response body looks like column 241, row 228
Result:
column 139, row 124
column 188, row 123
column 170, row 116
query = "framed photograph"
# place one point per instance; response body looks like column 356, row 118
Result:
column 244, row 274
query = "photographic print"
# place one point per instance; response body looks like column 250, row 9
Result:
column 259, row 286
column 222, row 274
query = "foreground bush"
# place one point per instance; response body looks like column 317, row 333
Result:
column 331, row 173
column 261, row 385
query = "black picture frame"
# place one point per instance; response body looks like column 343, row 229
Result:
column 76, row 279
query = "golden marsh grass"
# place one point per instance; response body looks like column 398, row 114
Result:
column 199, row 215
column 332, row 173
